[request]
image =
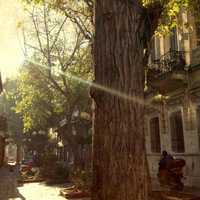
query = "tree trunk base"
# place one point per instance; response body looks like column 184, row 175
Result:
column 172, row 195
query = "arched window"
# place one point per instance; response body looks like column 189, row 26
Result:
column 173, row 40
column 155, row 48
column 155, row 135
column 176, row 127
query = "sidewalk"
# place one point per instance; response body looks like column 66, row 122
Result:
column 8, row 184
column 187, row 190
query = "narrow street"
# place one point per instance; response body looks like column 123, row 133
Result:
column 10, row 190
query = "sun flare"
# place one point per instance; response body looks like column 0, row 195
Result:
column 11, row 55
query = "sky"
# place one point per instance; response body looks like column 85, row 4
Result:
column 11, row 55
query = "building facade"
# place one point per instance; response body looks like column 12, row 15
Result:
column 172, row 120
column 74, row 141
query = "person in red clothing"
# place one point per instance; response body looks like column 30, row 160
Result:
column 170, row 171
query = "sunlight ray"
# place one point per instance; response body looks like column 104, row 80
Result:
column 101, row 87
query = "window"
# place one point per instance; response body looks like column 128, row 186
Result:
column 155, row 135
column 155, row 48
column 198, row 33
column 176, row 126
column 173, row 40
column 198, row 123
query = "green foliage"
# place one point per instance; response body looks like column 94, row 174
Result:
column 54, row 80
column 170, row 14
column 7, row 106
column 82, row 179
column 41, row 105
column 53, row 171
column 167, row 21
column 36, row 142
column 34, row 103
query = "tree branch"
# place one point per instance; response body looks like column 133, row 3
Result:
column 76, row 21
column 52, row 81
column 153, row 13
column 37, row 32
column 58, row 33
column 35, row 48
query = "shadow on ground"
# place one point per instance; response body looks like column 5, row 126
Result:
column 8, row 184
column 15, row 195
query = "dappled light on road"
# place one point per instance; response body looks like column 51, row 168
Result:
column 40, row 191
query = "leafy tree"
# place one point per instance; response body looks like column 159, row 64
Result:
column 7, row 107
column 42, row 107
column 61, row 53
column 35, row 97
column 52, row 42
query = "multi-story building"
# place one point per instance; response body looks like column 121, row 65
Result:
column 172, row 119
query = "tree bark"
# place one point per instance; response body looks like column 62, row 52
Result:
column 119, row 157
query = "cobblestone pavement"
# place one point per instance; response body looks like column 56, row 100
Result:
column 10, row 190
column 8, row 184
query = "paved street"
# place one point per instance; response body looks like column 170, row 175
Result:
column 10, row 190
column 39, row 191
column 8, row 184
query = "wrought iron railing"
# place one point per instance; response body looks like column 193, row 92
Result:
column 171, row 61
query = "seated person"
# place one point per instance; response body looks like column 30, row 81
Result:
column 165, row 160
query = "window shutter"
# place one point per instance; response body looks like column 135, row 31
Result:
column 155, row 135
column 176, row 126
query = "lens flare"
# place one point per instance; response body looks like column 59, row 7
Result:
column 101, row 87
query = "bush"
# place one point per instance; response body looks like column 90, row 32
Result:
column 82, row 179
column 61, row 171
column 53, row 171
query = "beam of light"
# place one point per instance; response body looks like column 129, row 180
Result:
column 101, row 87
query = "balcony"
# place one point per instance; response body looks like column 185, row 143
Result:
column 168, row 73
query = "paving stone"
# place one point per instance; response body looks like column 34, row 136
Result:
column 8, row 183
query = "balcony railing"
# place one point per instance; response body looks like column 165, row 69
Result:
column 171, row 61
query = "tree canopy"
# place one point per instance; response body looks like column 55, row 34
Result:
column 81, row 12
column 40, row 104
column 58, row 61
column 7, row 107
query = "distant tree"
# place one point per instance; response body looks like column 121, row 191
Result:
column 42, row 107
column 36, row 142
column 53, row 43
column 35, row 99
column 7, row 107
column 60, row 53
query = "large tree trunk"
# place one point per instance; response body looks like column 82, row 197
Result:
column 119, row 159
